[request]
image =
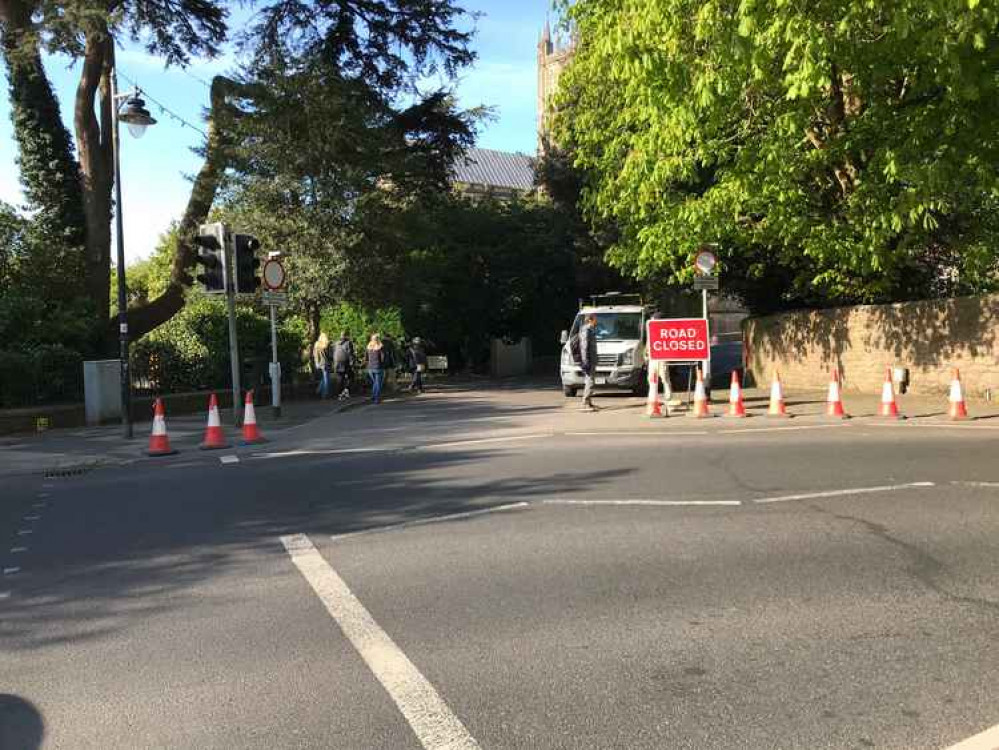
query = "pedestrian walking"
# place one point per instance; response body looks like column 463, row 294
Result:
column 343, row 365
column 588, row 355
column 416, row 356
column 375, row 361
column 320, row 358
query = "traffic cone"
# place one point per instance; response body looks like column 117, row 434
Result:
column 834, row 402
column 214, row 437
column 701, row 409
column 888, row 408
column 958, row 410
column 653, row 408
column 735, row 406
column 159, row 441
column 777, row 408
column 251, row 433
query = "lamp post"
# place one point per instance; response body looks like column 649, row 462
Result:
column 131, row 110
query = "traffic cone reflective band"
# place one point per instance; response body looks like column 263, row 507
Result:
column 214, row 437
column 159, row 441
column 777, row 399
column 736, row 408
column 958, row 410
column 700, row 398
column 251, row 433
column 653, row 408
column 888, row 406
column 834, row 403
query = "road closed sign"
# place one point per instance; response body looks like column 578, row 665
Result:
column 678, row 339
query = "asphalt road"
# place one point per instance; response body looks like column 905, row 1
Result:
column 487, row 569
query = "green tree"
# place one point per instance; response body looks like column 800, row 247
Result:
column 836, row 151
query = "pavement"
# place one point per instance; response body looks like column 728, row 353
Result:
column 487, row 567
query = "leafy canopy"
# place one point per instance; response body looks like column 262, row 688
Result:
column 839, row 150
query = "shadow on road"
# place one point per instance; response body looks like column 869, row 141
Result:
column 21, row 725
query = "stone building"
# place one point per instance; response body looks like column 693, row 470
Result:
column 553, row 56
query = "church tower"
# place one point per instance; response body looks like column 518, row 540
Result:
column 552, row 59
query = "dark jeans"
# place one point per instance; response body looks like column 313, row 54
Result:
column 377, row 377
column 343, row 380
column 417, row 384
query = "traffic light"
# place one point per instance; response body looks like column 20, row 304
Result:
column 246, row 263
column 210, row 241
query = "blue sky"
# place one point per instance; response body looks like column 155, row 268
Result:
column 155, row 169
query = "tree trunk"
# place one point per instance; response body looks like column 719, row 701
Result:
column 144, row 318
column 93, row 140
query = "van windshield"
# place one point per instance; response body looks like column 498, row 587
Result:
column 613, row 326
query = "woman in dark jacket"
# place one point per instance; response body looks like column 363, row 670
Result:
column 375, row 362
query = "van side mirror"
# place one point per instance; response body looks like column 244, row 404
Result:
column 563, row 338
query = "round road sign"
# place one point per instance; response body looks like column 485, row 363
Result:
column 705, row 262
column 274, row 275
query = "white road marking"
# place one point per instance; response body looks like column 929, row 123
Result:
column 435, row 519
column 481, row 441
column 38, row 505
column 644, row 433
column 944, row 425
column 24, row 532
column 32, row 518
column 663, row 503
column 229, row 459
column 976, row 484
column 11, row 571
column 18, row 550
column 784, row 429
column 4, row 595
column 987, row 740
column 434, row 724
column 319, row 452
column 837, row 493
column 43, row 494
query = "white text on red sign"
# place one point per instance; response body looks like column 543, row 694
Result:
column 679, row 339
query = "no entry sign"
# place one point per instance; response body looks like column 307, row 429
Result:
column 678, row 339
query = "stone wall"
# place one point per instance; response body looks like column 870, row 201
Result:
column 928, row 337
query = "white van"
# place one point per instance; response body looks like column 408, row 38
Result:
column 620, row 345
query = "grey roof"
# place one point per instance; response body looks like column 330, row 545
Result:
column 500, row 169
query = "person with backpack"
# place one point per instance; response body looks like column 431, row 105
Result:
column 416, row 357
column 587, row 350
column 343, row 365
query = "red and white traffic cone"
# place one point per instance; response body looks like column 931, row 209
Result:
column 701, row 409
column 958, row 409
column 889, row 408
column 777, row 408
column 159, row 441
column 251, row 433
column 834, row 402
column 736, row 408
column 214, row 436
column 653, row 408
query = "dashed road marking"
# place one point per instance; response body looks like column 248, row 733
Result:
column 484, row 441
column 987, row 740
column 11, row 570
column 962, row 483
column 18, row 550
column 434, row 724
column 837, row 493
column 319, row 452
column 39, row 506
column 24, row 532
column 435, row 519
column 795, row 428
column 229, row 459
column 32, row 518
column 43, row 494
column 640, row 501
column 4, row 595
column 636, row 433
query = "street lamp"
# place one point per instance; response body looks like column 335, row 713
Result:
column 131, row 110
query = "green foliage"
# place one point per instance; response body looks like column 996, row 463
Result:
column 837, row 152
column 148, row 278
column 360, row 323
column 44, row 374
column 191, row 351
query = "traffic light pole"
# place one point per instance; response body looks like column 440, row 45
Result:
column 230, row 303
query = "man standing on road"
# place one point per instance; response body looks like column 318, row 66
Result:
column 588, row 350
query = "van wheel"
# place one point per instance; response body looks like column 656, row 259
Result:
column 568, row 391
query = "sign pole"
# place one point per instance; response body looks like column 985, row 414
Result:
column 707, row 362
column 275, row 366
